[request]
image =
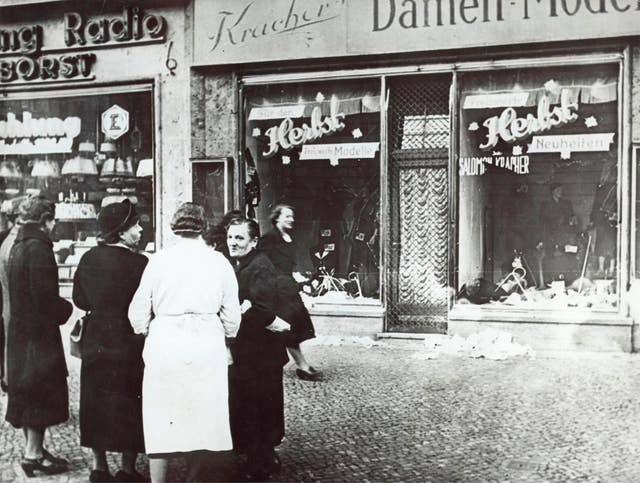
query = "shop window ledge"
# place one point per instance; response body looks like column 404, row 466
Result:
column 567, row 316
column 351, row 310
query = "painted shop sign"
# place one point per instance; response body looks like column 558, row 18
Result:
column 511, row 128
column 24, row 57
column 477, row 165
column 287, row 136
column 335, row 152
column 240, row 31
column 515, row 138
column 37, row 135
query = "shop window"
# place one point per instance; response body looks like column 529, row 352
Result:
column 538, row 188
column 210, row 183
column 82, row 152
column 316, row 147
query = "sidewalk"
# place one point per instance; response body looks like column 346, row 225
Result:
column 383, row 414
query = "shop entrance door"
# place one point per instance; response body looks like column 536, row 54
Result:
column 419, row 130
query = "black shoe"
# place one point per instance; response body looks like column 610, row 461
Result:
column 43, row 465
column 98, row 476
column 125, row 477
column 54, row 459
column 310, row 375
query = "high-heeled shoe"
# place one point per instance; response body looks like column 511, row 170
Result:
column 311, row 375
column 54, row 459
column 43, row 465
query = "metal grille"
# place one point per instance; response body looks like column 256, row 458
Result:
column 419, row 142
column 419, row 118
column 423, row 217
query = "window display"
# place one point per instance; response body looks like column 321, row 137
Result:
column 83, row 152
column 316, row 147
column 538, row 188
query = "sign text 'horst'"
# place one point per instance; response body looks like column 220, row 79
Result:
column 31, row 63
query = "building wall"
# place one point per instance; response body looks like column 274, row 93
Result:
column 635, row 92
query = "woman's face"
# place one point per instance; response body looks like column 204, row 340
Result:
column 285, row 220
column 131, row 237
column 239, row 241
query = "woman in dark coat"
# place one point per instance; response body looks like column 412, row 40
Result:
column 279, row 246
column 37, row 370
column 111, row 374
column 256, row 398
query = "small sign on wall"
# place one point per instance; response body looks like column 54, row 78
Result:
column 115, row 122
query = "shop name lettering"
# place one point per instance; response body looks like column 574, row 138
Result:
column 51, row 134
column 286, row 136
column 414, row 14
column 236, row 28
column 476, row 166
column 132, row 25
column 511, row 128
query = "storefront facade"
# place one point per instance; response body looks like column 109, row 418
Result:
column 91, row 105
column 446, row 176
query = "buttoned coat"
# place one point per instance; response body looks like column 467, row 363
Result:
column 37, row 369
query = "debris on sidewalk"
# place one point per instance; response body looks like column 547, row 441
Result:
column 489, row 344
column 345, row 340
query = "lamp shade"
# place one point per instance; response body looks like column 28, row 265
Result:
column 79, row 166
column 87, row 147
column 108, row 167
column 107, row 147
column 123, row 168
column 145, row 168
column 9, row 169
column 44, row 168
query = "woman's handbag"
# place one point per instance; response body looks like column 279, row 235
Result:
column 75, row 337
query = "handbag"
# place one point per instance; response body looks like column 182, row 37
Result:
column 75, row 337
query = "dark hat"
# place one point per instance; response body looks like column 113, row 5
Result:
column 116, row 216
column 36, row 209
column 189, row 217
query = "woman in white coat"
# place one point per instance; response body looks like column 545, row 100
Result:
column 187, row 303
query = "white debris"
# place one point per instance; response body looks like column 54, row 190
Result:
column 489, row 344
column 345, row 340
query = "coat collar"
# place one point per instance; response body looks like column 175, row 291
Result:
column 242, row 263
column 33, row 231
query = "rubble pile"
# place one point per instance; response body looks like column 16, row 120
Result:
column 489, row 344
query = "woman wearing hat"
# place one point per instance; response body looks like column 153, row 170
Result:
column 111, row 374
column 38, row 394
column 187, row 303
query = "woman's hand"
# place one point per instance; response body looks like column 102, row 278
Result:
column 278, row 325
column 245, row 305
column 298, row 277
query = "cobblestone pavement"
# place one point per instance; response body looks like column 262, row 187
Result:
column 383, row 415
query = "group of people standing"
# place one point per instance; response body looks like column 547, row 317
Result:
column 182, row 352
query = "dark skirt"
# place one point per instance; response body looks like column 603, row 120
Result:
column 295, row 312
column 111, row 405
column 40, row 407
column 301, row 324
column 256, row 406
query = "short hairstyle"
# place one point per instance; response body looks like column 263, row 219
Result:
column 189, row 220
column 252, row 226
column 37, row 209
column 277, row 211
